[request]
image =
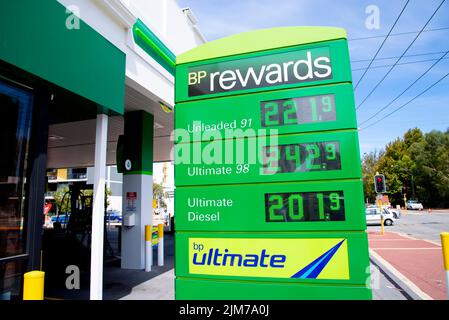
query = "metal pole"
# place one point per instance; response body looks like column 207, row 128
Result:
column 379, row 202
column 405, row 203
column 96, row 265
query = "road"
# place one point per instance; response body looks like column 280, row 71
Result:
column 420, row 225
column 410, row 250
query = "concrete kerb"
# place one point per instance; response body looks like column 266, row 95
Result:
column 412, row 292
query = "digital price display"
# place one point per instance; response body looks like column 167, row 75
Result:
column 295, row 111
column 304, row 206
column 289, row 111
column 302, row 157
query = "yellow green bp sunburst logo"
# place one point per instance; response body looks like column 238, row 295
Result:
column 272, row 258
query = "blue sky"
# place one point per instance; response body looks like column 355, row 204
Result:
column 431, row 111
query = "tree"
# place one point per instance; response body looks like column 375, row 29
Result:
column 62, row 198
column 416, row 165
column 158, row 193
column 431, row 157
column 369, row 167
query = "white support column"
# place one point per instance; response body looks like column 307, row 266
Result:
column 96, row 265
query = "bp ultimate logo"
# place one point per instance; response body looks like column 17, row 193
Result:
column 270, row 258
column 261, row 71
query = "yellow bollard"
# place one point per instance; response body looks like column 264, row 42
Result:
column 160, row 247
column 379, row 203
column 33, row 285
column 160, row 230
column 148, row 249
column 445, row 246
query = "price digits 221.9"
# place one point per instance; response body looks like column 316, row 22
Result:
column 292, row 111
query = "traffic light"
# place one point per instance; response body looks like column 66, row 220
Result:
column 379, row 183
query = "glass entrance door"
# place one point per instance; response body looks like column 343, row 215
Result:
column 16, row 105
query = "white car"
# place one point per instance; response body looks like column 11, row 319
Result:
column 414, row 205
column 373, row 216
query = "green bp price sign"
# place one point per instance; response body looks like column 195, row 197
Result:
column 279, row 158
column 294, row 206
column 269, row 196
column 286, row 111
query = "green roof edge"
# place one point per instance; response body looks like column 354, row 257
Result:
column 259, row 40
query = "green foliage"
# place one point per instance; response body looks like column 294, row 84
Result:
column 416, row 165
column 62, row 202
column 158, row 193
column 369, row 162
column 62, row 199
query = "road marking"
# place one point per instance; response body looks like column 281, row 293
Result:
column 433, row 242
column 405, row 235
column 393, row 270
column 410, row 237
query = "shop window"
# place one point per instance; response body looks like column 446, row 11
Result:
column 15, row 117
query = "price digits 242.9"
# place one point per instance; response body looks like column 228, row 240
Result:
column 302, row 157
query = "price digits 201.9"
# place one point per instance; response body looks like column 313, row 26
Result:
column 306, row 206
column 298, row 110
column 317, row 156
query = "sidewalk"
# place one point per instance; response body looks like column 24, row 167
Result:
column 416, row 263
column 158, row 288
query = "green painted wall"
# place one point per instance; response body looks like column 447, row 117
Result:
column 34, row 37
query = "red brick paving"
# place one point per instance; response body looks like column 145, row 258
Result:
column 418, row 260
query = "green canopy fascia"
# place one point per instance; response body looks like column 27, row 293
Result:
column 38, row 37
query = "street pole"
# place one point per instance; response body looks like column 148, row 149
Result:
column 379, row 202
column 413, row 189
column 405, row 204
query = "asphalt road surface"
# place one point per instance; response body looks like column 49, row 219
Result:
column 420, row 225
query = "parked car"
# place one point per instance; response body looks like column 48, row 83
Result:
column 62, row 219
column 114, row 216
column 396, row 213
column 414, row 205
column 373, row 216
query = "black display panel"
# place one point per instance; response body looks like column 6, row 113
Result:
column 304, row 206
column 259, row 71
column 293, row 111
column 302, row 157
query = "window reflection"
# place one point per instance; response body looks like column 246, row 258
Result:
column 15, row 117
